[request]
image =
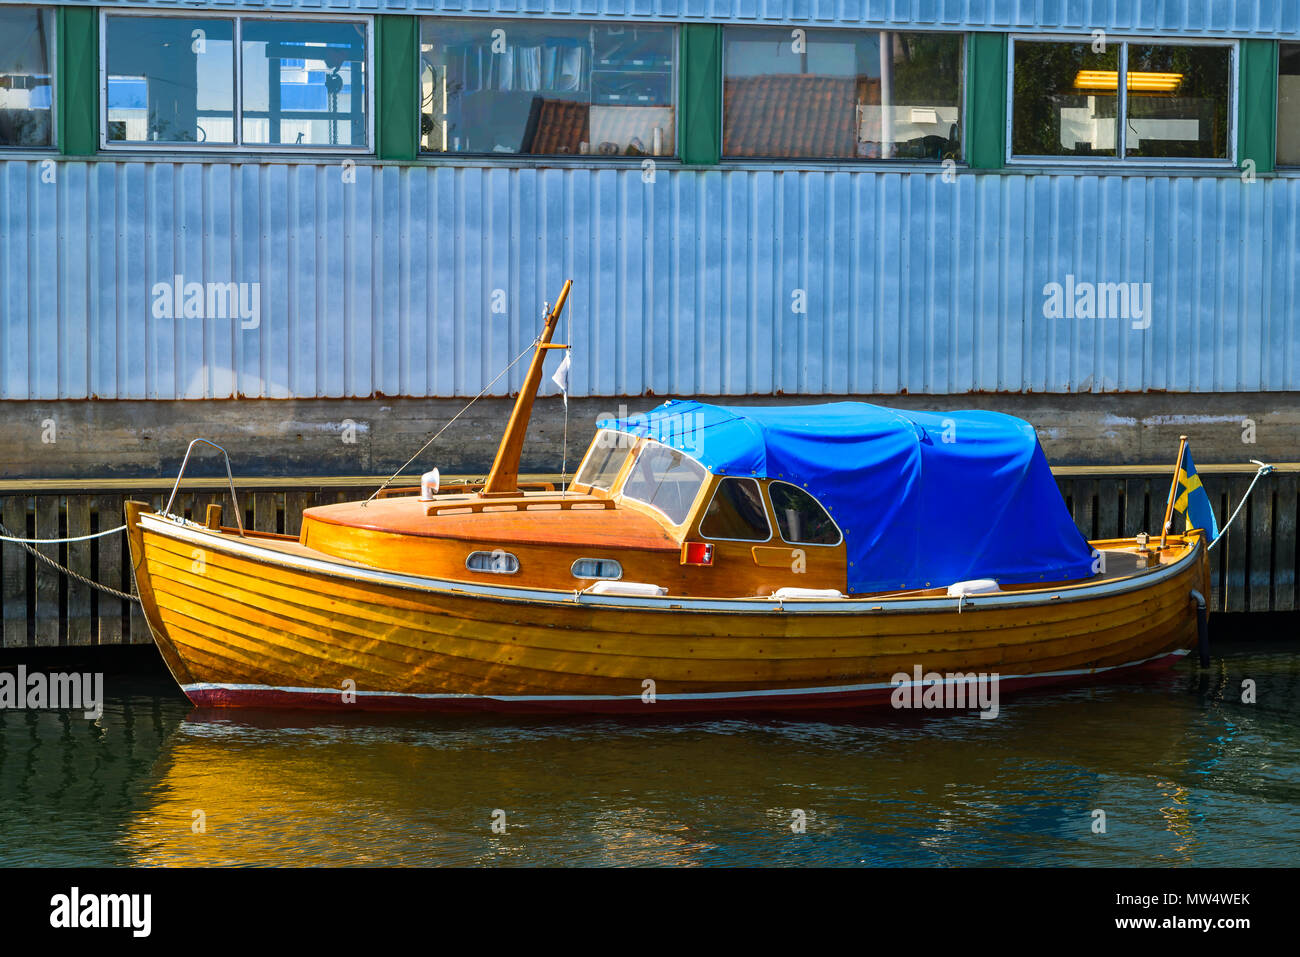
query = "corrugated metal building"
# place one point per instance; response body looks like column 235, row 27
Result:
column 385, row 262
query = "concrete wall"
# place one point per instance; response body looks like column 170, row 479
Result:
column 310, row 438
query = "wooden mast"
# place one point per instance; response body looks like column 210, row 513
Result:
column 504, row 477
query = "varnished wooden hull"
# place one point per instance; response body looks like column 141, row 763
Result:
column 243, row 622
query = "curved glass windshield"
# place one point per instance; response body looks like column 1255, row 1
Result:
column 736, row 512
column 800, row 517
column 608, row 453
column 665, row 479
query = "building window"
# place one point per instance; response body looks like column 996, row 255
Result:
column 1066, row 100
column 26, row 88
column 841, row 94
column 556, row 89
column 1288, row 105
column 172, row 81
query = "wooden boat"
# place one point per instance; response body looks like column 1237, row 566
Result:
column 704, row 559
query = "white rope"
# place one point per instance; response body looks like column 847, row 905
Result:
column 1263, row 470
column 59, row 541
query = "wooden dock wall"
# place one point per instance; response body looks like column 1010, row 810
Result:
column 1254, row 566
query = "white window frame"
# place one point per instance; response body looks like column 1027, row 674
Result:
column 1122, row 161
column 53, row 145
column 583, row 158
column 237, row 42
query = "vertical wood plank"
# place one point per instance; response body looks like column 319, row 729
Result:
column 13, row 513
column 1084, row 507
column 79, row 629
column 295, row 503
column 48, row 605
column 1135, row 507
column 1108, row 495
column 264, row 509
column 1237, row 545
column 1260, row 562
column 1284, row 556
column 138, row 632
column 112, row 570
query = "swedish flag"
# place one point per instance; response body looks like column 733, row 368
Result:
column 1190, row 499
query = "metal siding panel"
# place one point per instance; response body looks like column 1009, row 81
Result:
column 387, row 242
column 190, row 375
column 160, row 229
column 72, row 260
column 103, row 281
column 632, row 298
column 15, row 310
column 219, row 266
column 682, row 286
column 839, row 283
column 361, row 349
column 733, row 344
column 501, row 290
column 708, row 327
column 889, row 287
column 135, row 278
column 248, row 229
column 445, row 307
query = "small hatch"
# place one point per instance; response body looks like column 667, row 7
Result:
column 496, row 562
column 602, row 568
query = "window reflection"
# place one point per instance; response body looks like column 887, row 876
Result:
column 304, row 83
column 1288, row 105
column 26, row 51
column 547, row 88
column 1052, row 114
column 170, row 80
column 837, row 94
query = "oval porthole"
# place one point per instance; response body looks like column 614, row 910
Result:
column 603, row 568
column 496, row 562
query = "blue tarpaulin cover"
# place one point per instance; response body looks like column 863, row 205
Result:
column 924, row 499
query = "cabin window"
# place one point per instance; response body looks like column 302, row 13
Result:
column 841, row 94
column 547, row 88
column 236, row 81
column 1288, row 105
column 666, row 480
column 736, row 512
column 26, row 83
column 1067, row 101
column 495, row 562
column 801, row 518
column 605, row 460
column 603, row 568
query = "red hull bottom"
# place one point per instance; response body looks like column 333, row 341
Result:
column 876, row 696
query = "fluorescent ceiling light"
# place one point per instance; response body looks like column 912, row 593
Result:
column 1109, row 80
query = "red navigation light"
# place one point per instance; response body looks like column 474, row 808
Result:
column 697, row 553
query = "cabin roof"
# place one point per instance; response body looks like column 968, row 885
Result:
column 924, row 498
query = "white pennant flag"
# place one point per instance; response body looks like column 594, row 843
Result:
column 561, row 377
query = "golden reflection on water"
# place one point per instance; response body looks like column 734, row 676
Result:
column 1185, row 775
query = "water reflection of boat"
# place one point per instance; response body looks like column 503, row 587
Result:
column 704, row 559
column 878, row 790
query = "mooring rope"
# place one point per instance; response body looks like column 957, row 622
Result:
column 1263, row 470
column 26, row 544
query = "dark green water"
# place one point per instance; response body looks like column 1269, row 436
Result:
column 1185, row 772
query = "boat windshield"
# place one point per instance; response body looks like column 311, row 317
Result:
column 666, row 480
column 605, row 460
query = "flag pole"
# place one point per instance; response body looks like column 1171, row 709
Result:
column 1173, row 488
